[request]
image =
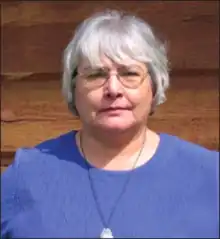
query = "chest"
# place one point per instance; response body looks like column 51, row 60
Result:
column 139, row 210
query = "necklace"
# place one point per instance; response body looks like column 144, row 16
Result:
column 107, row 232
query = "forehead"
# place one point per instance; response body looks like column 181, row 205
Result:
column 107, row 62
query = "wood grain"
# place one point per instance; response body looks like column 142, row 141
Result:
column 33, row 110
column 39, row 97
column 35, row 34
column 25, row 134
column 203, row 131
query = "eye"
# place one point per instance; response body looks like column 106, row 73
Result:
column 129, row 73
column 98, row 74
column 132, row 73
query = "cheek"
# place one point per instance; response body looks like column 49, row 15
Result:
column 80, row 99
column 86, row 101
column 142, row 101
column 93, row 100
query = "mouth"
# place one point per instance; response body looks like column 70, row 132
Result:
column 114, row 109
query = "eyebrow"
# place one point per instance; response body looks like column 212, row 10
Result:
column 95, row 67
column 105, row 67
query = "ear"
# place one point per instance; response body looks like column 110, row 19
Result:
column 152, row 90
column 151, row 112
column 153, row 106
column 74, row 73
column 72, row 106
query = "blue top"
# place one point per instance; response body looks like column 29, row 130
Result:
column 46, row 193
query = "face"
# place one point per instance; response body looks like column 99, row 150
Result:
column 108, row 97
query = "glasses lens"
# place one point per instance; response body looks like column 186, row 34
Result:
column 95, row 77
column 131, row 77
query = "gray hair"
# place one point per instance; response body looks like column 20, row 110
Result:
column 116, row 35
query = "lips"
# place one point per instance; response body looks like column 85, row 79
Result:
column 113, row 109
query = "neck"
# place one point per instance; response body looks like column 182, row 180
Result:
column 111, row 150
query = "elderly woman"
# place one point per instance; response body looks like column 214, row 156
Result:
column 115, row 177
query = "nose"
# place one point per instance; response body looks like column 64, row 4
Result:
column 113, row 88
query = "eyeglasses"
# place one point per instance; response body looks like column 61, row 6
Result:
column 129, row 76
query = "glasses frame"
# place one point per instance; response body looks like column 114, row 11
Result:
column 85, row 75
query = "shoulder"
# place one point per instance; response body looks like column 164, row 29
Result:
column 191, row 152
column 57, row 143
column 191, row 172
column 191, row 162
column 30, row 175
column 46, row 156
column 192, row 165
column 49, row 150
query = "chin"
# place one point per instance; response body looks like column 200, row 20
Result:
column 115, row 125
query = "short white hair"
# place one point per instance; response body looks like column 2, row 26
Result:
column 117, row 35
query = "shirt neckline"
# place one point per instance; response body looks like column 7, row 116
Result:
column 163, row 152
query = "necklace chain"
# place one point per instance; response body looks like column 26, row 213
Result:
column 106, row 223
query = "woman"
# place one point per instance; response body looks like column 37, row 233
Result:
column 115, row 177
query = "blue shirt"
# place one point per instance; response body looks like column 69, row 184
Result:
column 46, row 193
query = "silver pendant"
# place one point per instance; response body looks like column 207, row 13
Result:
column 106, row 233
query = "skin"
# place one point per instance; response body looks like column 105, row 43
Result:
column 112, row 139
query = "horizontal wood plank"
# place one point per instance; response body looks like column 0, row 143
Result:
column 33, row 110
column 35, row 34
column 27, row 134
column 32, row 13
column 39, row 97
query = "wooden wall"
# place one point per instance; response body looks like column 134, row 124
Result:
column 34, row 35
